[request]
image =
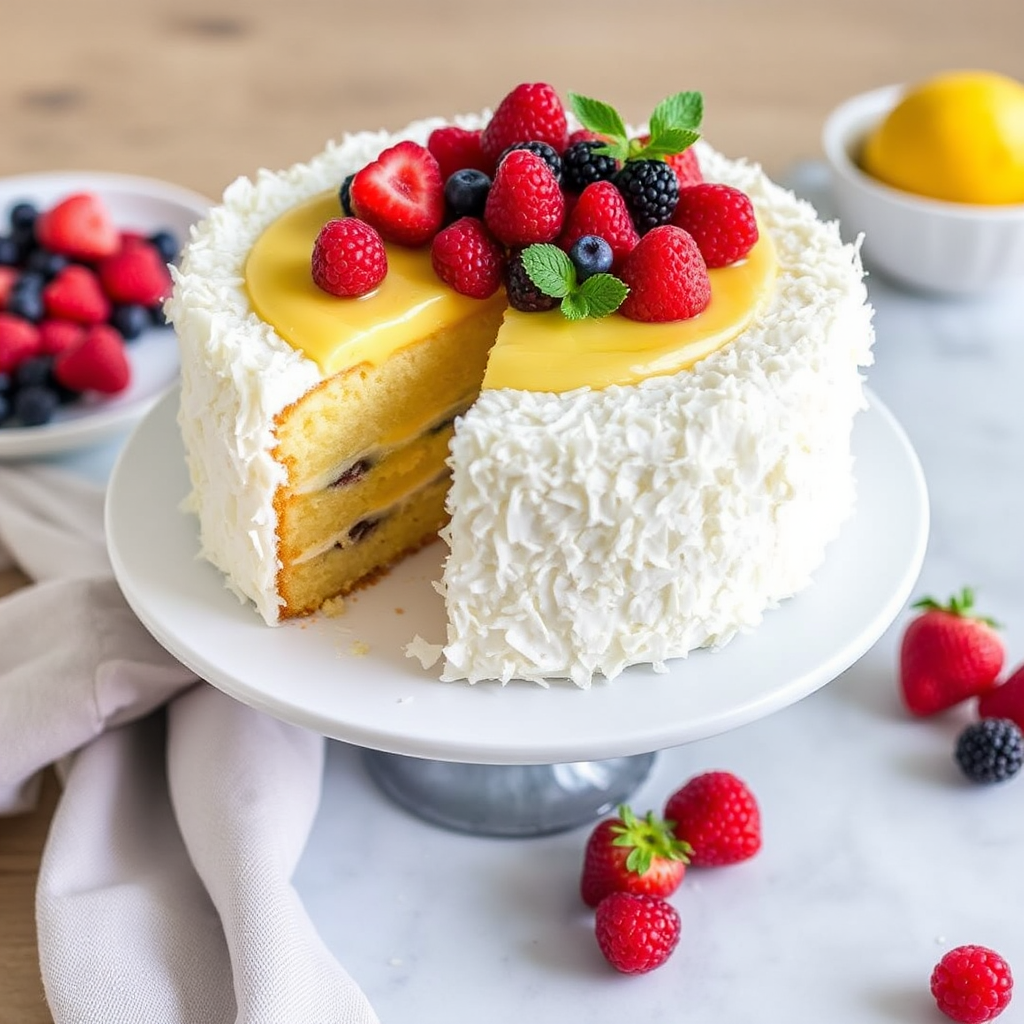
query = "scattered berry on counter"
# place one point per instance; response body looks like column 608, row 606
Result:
column 972, row 984
column 348, row 258
column 457, row 149
column 531, row 112
column 401, row 194
column 721, row 220
column 634, row 855
column 465, row 192
column 947, row 655
column 525, row 204
column 1005, row 700
column 636, row 933
column 651, row 191
column 666, row 276
column 467, row 258
column 991, row 750
column 718, row 816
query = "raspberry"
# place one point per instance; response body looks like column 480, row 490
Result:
column 721, row 220
column 467, row 258
column 685, row 164
column 348, row 258
column 458, row 149
column 581, row 166
column 651, row 191
column 991, row 750
column 1005, row 700
column 718, row 816
column 531, row 112
column 523, row 294
column 547, row 153
column 525, row 204
column 636, row 933
column 972, row 984
column 401, row 194
column 667, row 279
column 601, row 210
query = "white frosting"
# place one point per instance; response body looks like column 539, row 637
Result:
column 591, row 530
column 600, row 529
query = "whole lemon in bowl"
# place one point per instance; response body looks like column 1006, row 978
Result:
column 958, row 137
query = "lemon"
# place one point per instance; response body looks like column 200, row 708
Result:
column 958, row 136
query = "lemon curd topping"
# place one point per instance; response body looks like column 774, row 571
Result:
column 533, row 351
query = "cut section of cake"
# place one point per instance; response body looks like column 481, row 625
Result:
column 616, row 491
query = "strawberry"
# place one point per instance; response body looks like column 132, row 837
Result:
column 721, row 220
column 601, row 210
column 137, row 273
column 348, row 258
column 718, row 816
column 457, row 149
column 636, row 933
column 78, row 226
column 948, row 654
column 8, row 277
column 1005, row 700
column 630, row 854
column 76, row 294
column 99, row 363
column 525, row 204
column 19, row 340
column 401, row 194
column 531, row 112
column 56, row 336
column 667, row 277
column 467, row 258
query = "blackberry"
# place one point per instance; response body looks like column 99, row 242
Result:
column 465, row 193
column 581, row 166
column 591, row 255
column 547, row 153
column 523, row 294
column 991, row 750
column 651, row 191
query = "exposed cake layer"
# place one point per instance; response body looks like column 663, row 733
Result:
column 593, row 530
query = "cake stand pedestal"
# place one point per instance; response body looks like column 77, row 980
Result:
column 518, row 759
column 507, row 800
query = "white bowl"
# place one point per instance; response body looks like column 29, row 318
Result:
column 926, row 244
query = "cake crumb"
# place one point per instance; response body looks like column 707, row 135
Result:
column 333, row 607
column 427, row 653
column 360, row 648
column 399, row 611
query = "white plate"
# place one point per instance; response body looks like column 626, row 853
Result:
column 139, row 204
column 348, row 677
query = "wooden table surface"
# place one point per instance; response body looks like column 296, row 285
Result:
column 201, row 91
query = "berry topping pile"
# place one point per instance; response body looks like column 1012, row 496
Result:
column 972, row 984
column 531, row 178
column 75, row 288
column 632, row 866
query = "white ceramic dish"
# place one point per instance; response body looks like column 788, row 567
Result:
column 349, row 678
column 136, row 203
column 952, row 249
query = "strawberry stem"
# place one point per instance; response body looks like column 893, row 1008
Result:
column 959, row 604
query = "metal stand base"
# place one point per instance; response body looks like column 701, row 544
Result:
column 507, row 800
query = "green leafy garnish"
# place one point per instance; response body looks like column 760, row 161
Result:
column 674, row 126
column 551, row 270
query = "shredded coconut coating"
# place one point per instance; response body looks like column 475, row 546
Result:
column 595, row 530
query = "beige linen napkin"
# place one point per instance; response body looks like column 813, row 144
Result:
column 165, row 892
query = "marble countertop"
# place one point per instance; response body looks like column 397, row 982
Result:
column 877, row 855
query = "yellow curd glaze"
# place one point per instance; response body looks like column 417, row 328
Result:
column 533, row 352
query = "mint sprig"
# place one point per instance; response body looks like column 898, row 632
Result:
column 673, row 127
column 551, row 270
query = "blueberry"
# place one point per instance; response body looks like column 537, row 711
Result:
column 35, row 405
column 33, row 371
column 23, row 215
column 157, row 316
column 6, row 384
column 345, row 195
column 166, row 243
column 26, row 302
column 130, row 319
column 48, row 264
column 10, row 251
column 465, row 192
column 5, row 408
column 590, row 255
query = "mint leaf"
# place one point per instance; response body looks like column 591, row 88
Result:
column 550, row 269
column 575, row 306
column 603, row 293
column 683, row 110
column 669, row 142
column 598, row 116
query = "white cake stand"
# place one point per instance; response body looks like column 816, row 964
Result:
column 519, row 759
